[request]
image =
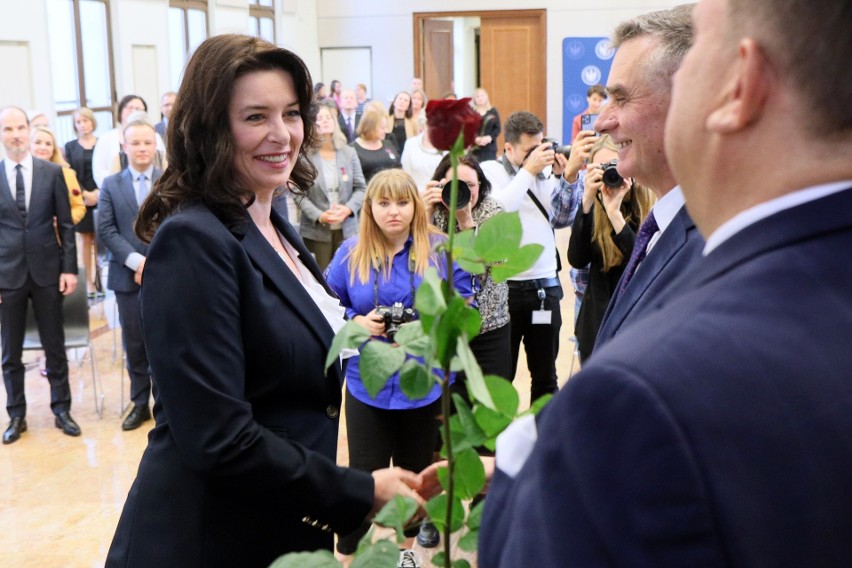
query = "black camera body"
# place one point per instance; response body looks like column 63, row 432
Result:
column 463, row 197
column 394, row 316
column 611, row 178
column 557, row 148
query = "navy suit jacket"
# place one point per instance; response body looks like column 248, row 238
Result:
column 32, row 248
column 678, row 248
column 240, row 466
column 117, row 211
column 714, row 432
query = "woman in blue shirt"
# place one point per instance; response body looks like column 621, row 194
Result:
column 383, row 265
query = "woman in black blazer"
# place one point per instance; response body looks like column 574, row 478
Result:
column 240, row 467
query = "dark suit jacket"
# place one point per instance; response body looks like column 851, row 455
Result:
column 160, row 128
column 341, row 120
column 352, row 189
column 678, row 248
column 714, row 432
column 32, row 249
column 241, row 461
column 117, row 211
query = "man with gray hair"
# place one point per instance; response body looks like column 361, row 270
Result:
column 717, row 430
column 650, row 49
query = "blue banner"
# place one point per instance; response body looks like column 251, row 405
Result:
column 585, row 62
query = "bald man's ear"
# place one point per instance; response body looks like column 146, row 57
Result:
column 744, row 97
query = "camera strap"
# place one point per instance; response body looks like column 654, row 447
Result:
column 547, row 216
column 411, row 269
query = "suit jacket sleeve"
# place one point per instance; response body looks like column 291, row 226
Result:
column 359, row 185
column 195, row 337
column 580, row 247
column 108, row 232
column 614, row 466
column 64, row 223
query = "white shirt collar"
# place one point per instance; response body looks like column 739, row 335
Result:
column 149, row 173
column 763, row 210
column 27, row 164
column 667, row 207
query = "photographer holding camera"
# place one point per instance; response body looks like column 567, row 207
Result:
column 375, row 275
column 603, row 235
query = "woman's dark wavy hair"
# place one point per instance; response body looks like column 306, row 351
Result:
column 408, row 112
column 125, row 100
column 200, row 144
column 444, row 167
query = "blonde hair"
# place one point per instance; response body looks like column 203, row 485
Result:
column 372, row 251
column 85, row 113
column 56, row 158
column 338, row 139
column 371, row 121
column 478, row 90
column 635, row 207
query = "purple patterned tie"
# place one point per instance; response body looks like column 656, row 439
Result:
column 643, row 237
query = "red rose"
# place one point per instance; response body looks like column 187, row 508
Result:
column 447, row 117
column 75, row 192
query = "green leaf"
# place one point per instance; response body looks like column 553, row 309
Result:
column 463, row 245
column 396, row 514
column 471, row 266
column 460, row 563
column 473, row 434
column 413, row 339
column 469, row 474
column 536, row 406
column 429, row 299
column 449, row 328
column 474, row 519
column 504, row 394
column 498, row 237
column 317, row 559
column 415, row 380
column 518, row 261
column 351, row 335
column 382, row 553
column 476, row 386
column 491, row 422
column 439, row 559
column 379, row 360
column 469, row 541
column 436, row 508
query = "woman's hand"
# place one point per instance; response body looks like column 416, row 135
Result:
column 90, row 198
column 612, row 198
column 430, row 486
column 464, row 217
column 581, row 149
column 592, row 186
column 335, row 214
column 393, row 481
column 432, row 195
column 372, row 322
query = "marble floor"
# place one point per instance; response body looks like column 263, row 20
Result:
column 61, row 497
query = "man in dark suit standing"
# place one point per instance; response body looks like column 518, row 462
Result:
column 167, row 101
column 717, row 431
column 650, row 49
column 348, row 117
column 118, row 206
column 37, row 263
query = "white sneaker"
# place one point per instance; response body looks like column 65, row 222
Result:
column 407, row 559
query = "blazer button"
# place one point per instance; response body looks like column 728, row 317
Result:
column 332, row 412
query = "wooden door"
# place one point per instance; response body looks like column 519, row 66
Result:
column 437, row 57
column 513, row 62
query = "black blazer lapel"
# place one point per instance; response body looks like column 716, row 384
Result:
column 6, row 200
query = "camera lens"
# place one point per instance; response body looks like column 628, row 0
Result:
column 463, row 196
column 611, row 178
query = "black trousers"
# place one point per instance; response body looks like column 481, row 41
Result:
column 378, row 436
column 47, row 306
column 541, row 341
column 134, row 345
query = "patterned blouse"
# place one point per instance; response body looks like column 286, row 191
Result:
column 492, row 298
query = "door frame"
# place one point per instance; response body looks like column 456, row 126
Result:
column 419, row 17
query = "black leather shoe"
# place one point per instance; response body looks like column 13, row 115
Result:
column 140, row 413
column 17, row 426
column 64, row 422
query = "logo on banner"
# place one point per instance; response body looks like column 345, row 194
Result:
column 591, row 74
column 575, row 50
column 604, row 50
column 576, row 103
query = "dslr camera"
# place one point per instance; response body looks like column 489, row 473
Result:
column 394, row 317
column 611, row 178
column 463, row 197
column 557, row 148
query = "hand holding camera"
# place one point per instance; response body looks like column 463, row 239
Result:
column 393, row 317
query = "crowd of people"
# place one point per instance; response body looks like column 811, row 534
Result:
column 690, row 436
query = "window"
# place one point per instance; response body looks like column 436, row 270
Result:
column 187, row 29
column 81, row 55
column 262, row 19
